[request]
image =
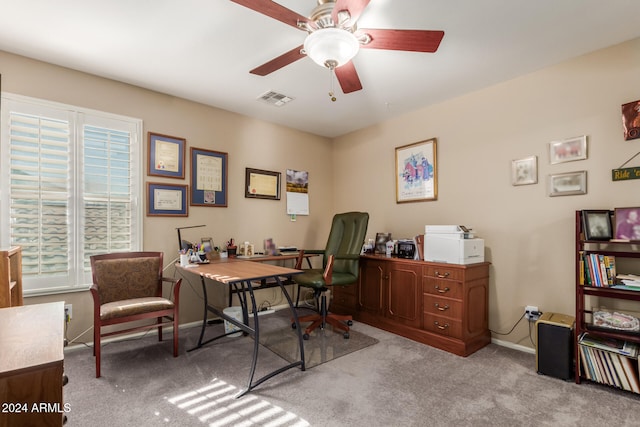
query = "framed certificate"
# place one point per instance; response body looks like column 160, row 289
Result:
column 166, row 199
column 261, row 184
column 166, row 155
column 208, row 178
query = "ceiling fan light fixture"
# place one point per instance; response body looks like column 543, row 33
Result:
column 330, row 46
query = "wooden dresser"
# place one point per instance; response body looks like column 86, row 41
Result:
column 442, row 305
column 11, row 277
column 31, row 365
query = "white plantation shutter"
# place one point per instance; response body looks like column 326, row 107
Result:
column 73, row 189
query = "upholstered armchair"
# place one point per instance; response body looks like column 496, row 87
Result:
column 339, row 267
column 127, row 287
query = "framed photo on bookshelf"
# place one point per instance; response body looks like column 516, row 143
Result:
column 597, row 225
column 627, row 223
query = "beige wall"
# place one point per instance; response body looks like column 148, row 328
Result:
column 529, row 236
column 248, row 142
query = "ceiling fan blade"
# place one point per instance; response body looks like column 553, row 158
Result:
column 409, row 40
column 275, row 11
column 355, row 8
column 275, row 64
column 348, row 78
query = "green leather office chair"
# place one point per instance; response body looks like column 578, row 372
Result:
column 340, row 267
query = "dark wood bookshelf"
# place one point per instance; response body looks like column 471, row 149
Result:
column 584, row 291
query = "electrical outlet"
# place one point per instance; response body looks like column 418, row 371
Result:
column 531, row 313
column 68, row 312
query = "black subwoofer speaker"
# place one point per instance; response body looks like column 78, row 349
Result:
column 554, row 348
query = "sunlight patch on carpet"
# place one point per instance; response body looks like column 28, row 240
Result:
column 216, row 405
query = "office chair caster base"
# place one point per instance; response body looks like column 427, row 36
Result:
column 349, row 322
column 346, row 335
column 293, row 326
column 305, row 336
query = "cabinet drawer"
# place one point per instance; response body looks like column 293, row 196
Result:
column 443, row 272
column 344, row 300
column 443, row 326
column 445, row 288
column 439, row 306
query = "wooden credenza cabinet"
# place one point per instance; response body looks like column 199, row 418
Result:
column 442, row 305
column 31, row 365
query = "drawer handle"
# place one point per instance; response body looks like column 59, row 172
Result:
column 442, row 276
column 441, row 327
column 446, row 307
column 442, row 291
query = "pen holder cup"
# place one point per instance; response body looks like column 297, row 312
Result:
column 231, row 251
column 184, row 260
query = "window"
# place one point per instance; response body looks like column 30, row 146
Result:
column 70, row 187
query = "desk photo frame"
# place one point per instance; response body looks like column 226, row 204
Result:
column 209, row 172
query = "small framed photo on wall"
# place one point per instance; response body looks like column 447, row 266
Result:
column 524, row 171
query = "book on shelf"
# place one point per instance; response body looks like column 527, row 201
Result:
column 597, row 270
column 626, row 348
column 609, row 368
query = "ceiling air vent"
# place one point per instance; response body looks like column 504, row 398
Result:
column 275, row 98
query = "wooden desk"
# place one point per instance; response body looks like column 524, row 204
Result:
column 31, row 365
column 264, row 283
column 239, row 274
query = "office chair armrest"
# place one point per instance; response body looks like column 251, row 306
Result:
column 328, row 270
column 304, row 252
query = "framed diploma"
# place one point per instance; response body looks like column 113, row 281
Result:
column 261, row 184
column 208, row 178
column 166, row 155
column 166, row 199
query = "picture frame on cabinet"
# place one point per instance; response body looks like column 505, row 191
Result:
column 417, row 172
column 627, row 223
column 568, row 150
column 524, row 171
column 597, row 224
column 568, row 184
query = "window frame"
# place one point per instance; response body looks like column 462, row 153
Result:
column 78, row 278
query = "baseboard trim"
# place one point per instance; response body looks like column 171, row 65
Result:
column 513, row 346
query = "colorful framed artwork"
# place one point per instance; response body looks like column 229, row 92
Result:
column 627, row 223
column 166, row 199
column 165, row 155
column 631, row 120
column 568, row 184
column 416, row 172
column 568, row 150
column 209, row 171
column 524, row 171
column 261, row 184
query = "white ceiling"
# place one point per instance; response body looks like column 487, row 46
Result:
column 202, row 50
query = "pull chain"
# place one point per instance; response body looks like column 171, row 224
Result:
column 331, row 91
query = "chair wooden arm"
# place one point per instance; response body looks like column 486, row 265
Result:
column 304, row 252
column 328, row 270
column 176, row 287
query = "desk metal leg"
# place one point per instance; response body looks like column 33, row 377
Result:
column 241, row 289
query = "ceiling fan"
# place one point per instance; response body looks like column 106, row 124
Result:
column 333, row 37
